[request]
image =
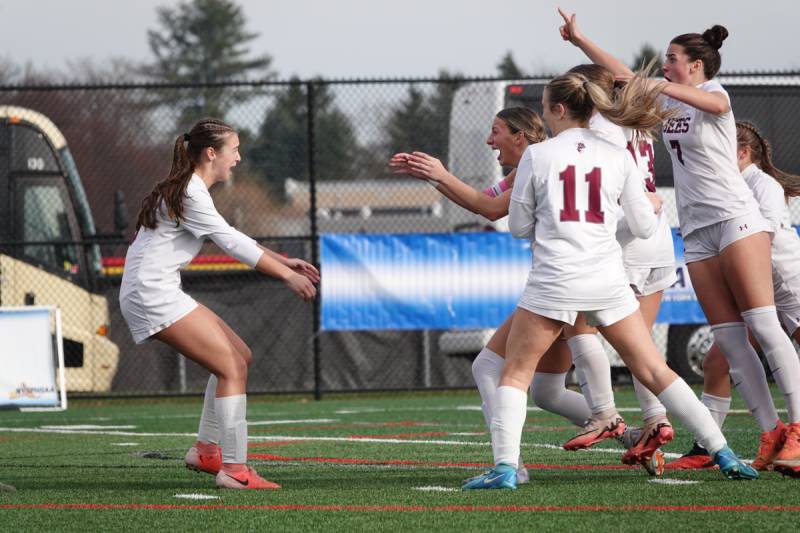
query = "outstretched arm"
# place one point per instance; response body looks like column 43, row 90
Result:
column 423, row 166
column 713, row 102
column 570, row 32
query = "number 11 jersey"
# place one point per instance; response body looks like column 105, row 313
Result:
column 568, row 195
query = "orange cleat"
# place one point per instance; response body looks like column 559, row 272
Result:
column 787, row 461
column 652, row 438
column 596, row 430
column 769, row 447
column 695, row 459
column 246, row 479
column 198, row 461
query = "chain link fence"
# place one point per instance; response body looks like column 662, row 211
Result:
column 75, row 162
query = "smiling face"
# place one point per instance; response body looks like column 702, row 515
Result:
column 509, row 145
column 679, row 68
column 224, row 159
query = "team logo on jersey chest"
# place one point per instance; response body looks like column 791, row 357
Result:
column 580, row 147
column 677, row 125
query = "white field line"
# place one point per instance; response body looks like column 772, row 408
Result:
column 197, row 496
column 478, row 408
column 668, row 481
column 87, row 426
column 265, row 438
column 436, row 488
column 301, row 421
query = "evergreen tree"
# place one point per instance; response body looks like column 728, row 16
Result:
column 507, row 68
column 422, row 121
column 280, row 149
column 643, row 57
column 203, row 41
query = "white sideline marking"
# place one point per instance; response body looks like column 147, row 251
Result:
column 469, row 434
column 301, row 421
column 262, row 438
column 87, row 426
column 197, row 496
column 435, row 488
column 478, row 408
column 124, row 443
column 667, row 481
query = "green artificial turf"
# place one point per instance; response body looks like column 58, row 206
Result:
column 355, row 463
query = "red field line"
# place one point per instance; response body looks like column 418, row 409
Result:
column 349, row 460
column 406, row 508
column 401, row 435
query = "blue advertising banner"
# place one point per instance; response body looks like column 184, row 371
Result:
column 444, row 281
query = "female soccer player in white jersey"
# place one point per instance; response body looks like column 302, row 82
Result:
column 174, row 221
column 649, row 266
column 567, row 198
column 771, row 186
column 591, row 362
column 512, row 131
column 726, row 239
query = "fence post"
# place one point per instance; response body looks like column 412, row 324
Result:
column 312, row 191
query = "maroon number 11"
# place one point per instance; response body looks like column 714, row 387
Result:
column 570, row 213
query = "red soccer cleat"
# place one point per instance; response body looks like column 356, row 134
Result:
column 695, row 459
column 198, row 461
column 596, row 430
column 246, row 479
column 770, row 445
column 652, row 438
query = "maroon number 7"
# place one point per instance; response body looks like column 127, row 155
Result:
column 675, row 145
column 594, row 215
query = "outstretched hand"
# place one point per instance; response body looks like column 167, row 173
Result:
column 569, row 30
column 301, row 286
column 419, row 165
column 306, row 269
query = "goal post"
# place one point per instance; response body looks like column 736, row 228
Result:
column 32, row 358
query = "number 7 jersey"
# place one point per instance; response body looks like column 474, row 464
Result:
column 569, row 193
column 708, row 185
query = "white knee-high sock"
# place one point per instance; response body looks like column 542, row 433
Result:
column 682, row 403
column 231, row 413
column 590, row 358
column 551, row 394
column 209, row 426
column 746, row 371
column 718, row 406
column 780, row 354
column 510, row 410
column 648, row 402
column 486, row 369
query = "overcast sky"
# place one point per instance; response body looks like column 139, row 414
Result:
column 376, row 38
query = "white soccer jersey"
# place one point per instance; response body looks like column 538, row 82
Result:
column 658, row 251
column 567, row 198
column 708, row 185
column 786, row 242
column 150, row 294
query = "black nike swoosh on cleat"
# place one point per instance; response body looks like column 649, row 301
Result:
column 239, row 481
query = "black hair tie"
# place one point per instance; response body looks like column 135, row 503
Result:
column 186, row 137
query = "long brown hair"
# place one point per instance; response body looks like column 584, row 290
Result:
column 525, row 120
column 747, row 134
column 208, row 132
column 704, row 47
column 634, row 106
